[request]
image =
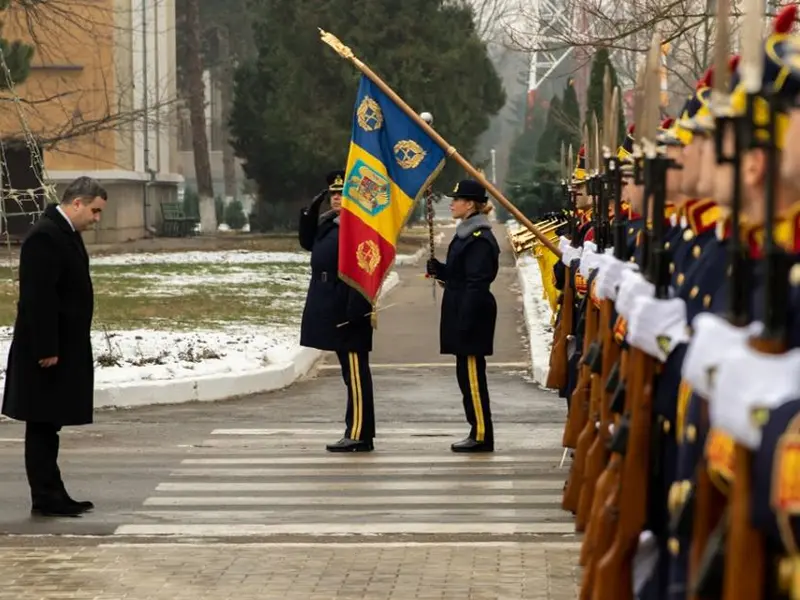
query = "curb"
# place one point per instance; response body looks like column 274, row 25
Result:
column 210, row 388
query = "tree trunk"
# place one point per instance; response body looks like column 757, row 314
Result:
column 226, row 97
column 194, row 78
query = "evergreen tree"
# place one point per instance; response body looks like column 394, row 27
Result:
column 17, row 57
column 594, row 94
column 571, row 116
column 549, row 147
column 293, row 108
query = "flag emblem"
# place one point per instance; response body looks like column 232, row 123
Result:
column 367, row 188
column 369, row 115
column 368, row 256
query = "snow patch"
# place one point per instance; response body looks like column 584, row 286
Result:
column 537, row 316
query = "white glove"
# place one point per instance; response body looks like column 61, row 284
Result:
column 589, row 262
column 610, row 277
column 657, row 326
column 748, row 382
column 633, row 285
column 569, row 254
column 590, row 246
column 563, row 244
column 713, row 341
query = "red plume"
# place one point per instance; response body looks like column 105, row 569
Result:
column 667, row 123
column 582, row 151
column 733, row 63
column 631, row 129
column 784, row 19
column 707, row 80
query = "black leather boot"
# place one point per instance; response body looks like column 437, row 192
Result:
column 470, row 445
column 347, row 445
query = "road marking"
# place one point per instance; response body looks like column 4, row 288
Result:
column 344, row 529
column 544, row 545
column 431, row 365
column 529, row 515
column 359, row 471
column 378, row 459
column 371, row 486
column 407, row 501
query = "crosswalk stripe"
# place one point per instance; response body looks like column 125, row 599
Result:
column 371, row 486
column 364, row 514
column 407, row 501
column 376, row 459
column 344, row 529
column 250, row 482
column 359, row 470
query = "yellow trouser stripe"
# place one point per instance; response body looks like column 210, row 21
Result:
column 475, row 392
column 355, row 388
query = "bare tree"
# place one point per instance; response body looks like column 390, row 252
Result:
column 686, row 27
column 196, row 100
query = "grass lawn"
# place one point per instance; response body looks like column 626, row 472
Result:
column 188, row 296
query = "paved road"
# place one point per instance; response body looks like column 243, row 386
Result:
column 240, row 499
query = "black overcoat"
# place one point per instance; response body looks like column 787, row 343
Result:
column 469, row 310
column 54, row 318
column 330, row 301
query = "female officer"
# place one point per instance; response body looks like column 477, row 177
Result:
column 337, row 318
column 469, row 310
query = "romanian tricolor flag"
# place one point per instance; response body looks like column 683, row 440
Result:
column 391, row 163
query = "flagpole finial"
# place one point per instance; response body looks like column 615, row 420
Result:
column 427, row 117
column 336, row 44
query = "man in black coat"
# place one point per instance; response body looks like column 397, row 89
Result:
column 50, row 372
column 336, row 317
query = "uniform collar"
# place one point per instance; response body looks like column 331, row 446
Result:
column 703, row 215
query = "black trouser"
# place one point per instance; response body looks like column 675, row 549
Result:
column 471, row 373
column 360, row 417
column 41, row 462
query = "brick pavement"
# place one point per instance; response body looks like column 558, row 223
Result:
column 290, row 572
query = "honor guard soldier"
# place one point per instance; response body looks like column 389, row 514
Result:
column 337, row 318
column 469, row 310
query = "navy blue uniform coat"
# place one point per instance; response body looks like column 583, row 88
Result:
column 330, row 301
column 54, row 318
column 469, row 310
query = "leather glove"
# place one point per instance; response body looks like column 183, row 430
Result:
column 432, row 267
column 319, row 198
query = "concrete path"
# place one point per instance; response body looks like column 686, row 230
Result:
column 239, row 498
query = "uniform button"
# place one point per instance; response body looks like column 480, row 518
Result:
column 666, row 426
column 688, row 234
column 671, row 267
column 630, row 230
column 691, row 433
column 666, row 245
column 674, row 546
column 706, row 300
column 794, row 275
column 681, row 278
column 693, row 293
column 696, row 251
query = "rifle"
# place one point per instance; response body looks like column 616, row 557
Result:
column 614, row 578
column 708, row 525
column 589, row 361
column 559, row 359
column 743, row 537
column 605, row 505
column 597, row 454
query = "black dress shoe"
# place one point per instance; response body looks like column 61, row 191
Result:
column 56, row 509
column 470, row 445
column 348, row 445
column 83, row 505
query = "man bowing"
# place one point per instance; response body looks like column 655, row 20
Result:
column 50, row 372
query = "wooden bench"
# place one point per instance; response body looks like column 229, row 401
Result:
column 175, row 222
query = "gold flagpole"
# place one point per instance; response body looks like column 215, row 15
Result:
column 451, row 152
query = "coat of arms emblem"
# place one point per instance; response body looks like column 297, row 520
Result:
column 368, row 188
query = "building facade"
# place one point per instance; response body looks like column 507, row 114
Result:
column 100, row 100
